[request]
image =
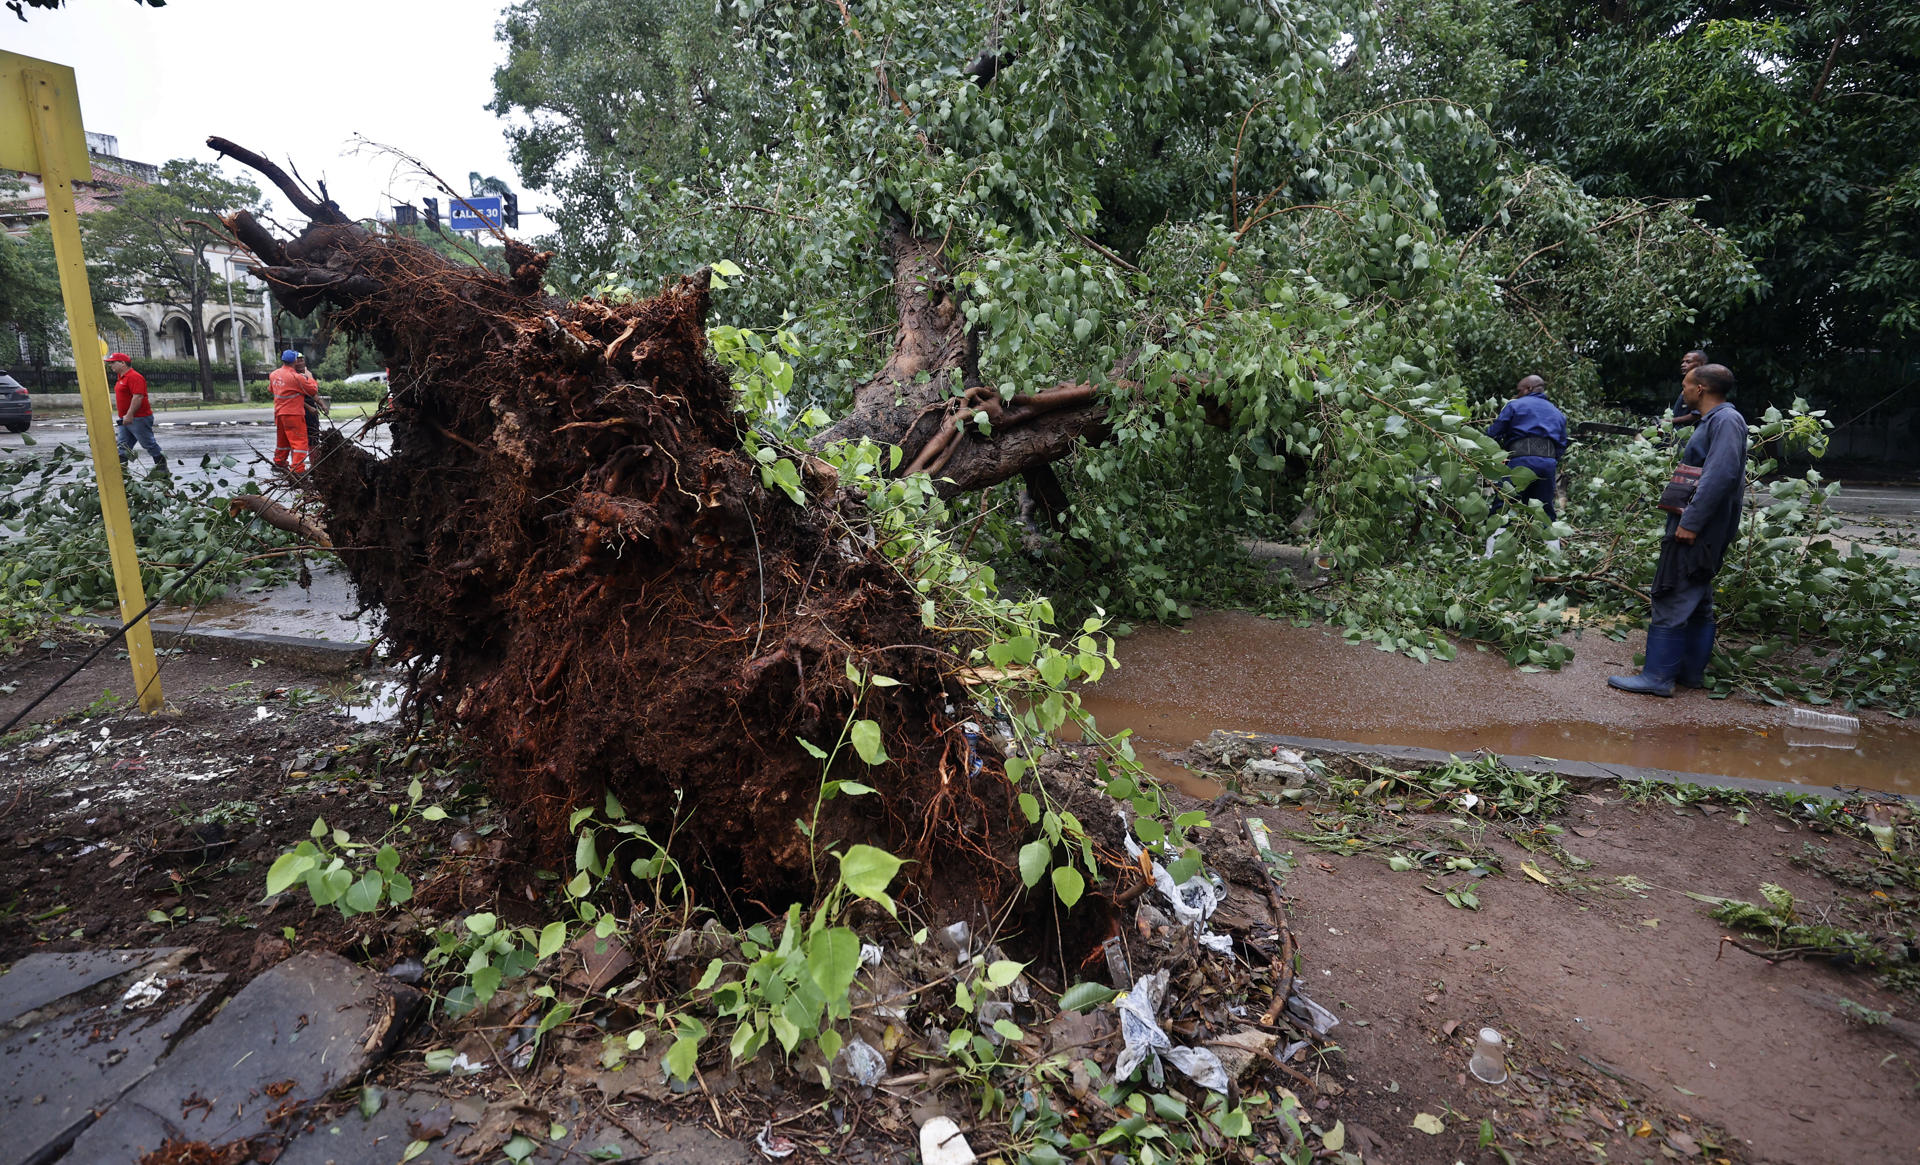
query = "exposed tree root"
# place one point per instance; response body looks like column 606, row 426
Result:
column 567, row 528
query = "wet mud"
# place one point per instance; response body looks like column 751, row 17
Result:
column 1239, row 671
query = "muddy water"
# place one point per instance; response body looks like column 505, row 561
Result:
column 1238, row 671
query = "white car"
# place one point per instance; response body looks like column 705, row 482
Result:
column 367, row 378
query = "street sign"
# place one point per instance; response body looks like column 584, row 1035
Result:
column 474, row 214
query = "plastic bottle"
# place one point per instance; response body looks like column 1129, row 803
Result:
column 1489, row 1063
column 1823, row 721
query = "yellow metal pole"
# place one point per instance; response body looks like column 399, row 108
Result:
column 54, row 110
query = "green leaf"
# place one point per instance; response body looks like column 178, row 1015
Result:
column 387, row 860
column 833, row 958
column 482, row 924
column 1003, row 972
column 364, row 895
column 414, row 1149
column 433, row 813
column 1009, row 1030
column 1068, row 884
column 813, row 750
column 286, row 870
column 1084, row 997
column 553, row 936
column 867, row 871
column 866, row 742
column 486, row 981
column 1035, row 857
column 519, row 1149
column 711, row 975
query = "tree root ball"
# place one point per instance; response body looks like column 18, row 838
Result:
column 568, row 538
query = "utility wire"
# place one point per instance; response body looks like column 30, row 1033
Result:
column 106, row 643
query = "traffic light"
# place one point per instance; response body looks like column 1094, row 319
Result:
column 405, row 216
column 432, row 207
column 510, row 209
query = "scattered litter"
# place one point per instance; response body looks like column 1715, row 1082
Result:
column 863, row 1062
column 941, row 1143
column 408, row 970
column 1489, row 1062
column 956, row 939
column 772, row 1146
column 1309, row 1014
column 1193, row 900
column 1823, row 721
column 144, row 993
column 871, row 954
column 1145, row 1043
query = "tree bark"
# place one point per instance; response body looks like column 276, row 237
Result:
column 197, row 320
column 913, row 398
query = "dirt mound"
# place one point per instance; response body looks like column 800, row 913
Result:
column 568, row 537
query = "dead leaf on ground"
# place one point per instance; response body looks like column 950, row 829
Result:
column 1429, row 1124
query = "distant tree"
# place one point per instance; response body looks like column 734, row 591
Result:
column 152, row 246
column 1795, row 125
column 30, row 308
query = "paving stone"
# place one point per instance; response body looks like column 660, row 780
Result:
column 299, row 1031
column 58, row 1072
column 350, row 1139
column 37, row 980
column 461, row 1131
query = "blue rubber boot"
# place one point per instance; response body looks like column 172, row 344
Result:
column 1666, row 646
column 1698, row 651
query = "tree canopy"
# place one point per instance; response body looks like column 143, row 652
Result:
column 152, row 246
column 1195, row 256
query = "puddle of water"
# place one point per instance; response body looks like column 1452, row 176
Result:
column 322, row 611
column 1236, row 671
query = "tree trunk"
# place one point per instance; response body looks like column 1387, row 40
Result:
column 899, row 407
column 197, row 321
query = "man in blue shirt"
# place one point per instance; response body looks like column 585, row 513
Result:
column 1682, row 413
column 1681, row 632
column 1534, row 434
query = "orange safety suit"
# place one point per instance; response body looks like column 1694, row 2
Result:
column 290, row 392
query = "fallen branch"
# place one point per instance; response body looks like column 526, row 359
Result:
column 280, row 518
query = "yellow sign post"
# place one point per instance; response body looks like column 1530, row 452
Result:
column 41, row 133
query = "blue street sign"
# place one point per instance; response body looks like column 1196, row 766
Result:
column 474, row 214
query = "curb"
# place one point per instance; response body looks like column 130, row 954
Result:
column 326, row 656
column 1579, row 771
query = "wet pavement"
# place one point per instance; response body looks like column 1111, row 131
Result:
column 1231, row 670
column 323, row 610
column 243, row 437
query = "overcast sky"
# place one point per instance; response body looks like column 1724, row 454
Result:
column 290, row 80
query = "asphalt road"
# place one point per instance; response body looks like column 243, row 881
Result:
column 190, row 437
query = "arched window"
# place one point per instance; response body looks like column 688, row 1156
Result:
column 178, row 339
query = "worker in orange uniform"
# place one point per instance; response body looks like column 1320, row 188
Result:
column 292, row 387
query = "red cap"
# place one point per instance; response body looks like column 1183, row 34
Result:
column 122, row 357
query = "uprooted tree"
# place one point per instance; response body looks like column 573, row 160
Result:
column 570, row 528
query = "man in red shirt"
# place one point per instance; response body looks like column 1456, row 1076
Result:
column 132, row 411
column 292, row 387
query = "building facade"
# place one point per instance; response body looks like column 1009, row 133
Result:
column 151, row 330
